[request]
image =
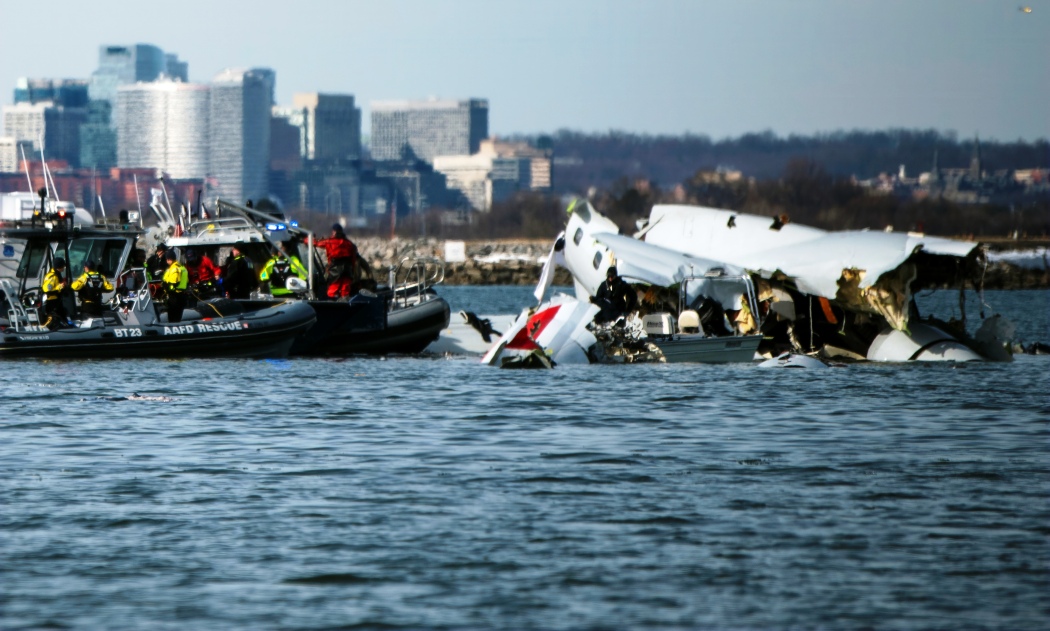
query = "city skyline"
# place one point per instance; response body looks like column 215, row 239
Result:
column 720, row 69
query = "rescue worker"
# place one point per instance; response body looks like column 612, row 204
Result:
column 342, row 259
column 280, row 268
column 156, row 264
column 176, row 279
column 238, row 279
column 203, row 274
column 89, row 287
column 615, row 297
column 53, row 286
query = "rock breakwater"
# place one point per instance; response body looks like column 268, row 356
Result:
column 498, row 262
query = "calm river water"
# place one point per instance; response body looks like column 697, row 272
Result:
column 438, row 493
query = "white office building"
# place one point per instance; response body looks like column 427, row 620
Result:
column 164, row 125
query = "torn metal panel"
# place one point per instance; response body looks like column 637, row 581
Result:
column 594, row 245
column 557, row 329
column 860, row 269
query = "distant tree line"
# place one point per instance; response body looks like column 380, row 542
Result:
column 811, row 179
column 583, row 161
column 805, row 192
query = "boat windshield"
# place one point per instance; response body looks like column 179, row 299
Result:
column 32, row 258
column 106, row 252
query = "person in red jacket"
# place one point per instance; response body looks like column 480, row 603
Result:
column 203, row 273
column 342, row 258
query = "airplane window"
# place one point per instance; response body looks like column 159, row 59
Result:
column 597, row 259
column 576, row 238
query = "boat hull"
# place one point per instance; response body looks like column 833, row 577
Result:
column 407, row 330
column 708, row 350
column 365, row 325
column 266, row 333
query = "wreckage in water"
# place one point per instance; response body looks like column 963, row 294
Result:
column 717, row 286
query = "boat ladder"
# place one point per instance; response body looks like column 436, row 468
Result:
column 21, row 318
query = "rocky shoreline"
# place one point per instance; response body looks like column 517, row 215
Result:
column 519, row 262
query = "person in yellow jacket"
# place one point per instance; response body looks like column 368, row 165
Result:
column 176, row 279
column 280, row 268
column 54, row 284
column 89, row 287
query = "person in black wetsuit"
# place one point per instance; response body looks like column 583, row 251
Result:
column 615, row 297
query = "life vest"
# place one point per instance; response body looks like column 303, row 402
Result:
column 176, row 278
column 52, row 285
column 91, row 291
column 282, row 268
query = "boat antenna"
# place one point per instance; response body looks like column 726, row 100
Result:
column 25, row 165
column 167, row 202
column 102, row 206
column 138, row 200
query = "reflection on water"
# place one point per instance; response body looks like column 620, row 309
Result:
column 314, row 494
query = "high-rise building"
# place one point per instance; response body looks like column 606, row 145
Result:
column 164, row 125
column 64, row 92
column 330, row 126
column 239, row 133
column 46, row 127
column 175, row 69
column 98, row 139
column 25, row 122
column 121, row 65
column 405, row 130
column 9, row 155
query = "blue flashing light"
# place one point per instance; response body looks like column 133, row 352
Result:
column 295, row 224
column 276, row 227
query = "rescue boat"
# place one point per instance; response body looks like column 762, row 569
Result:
column 130, row 325
column 401, row 316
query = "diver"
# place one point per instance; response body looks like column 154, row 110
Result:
column 89, row 287
column 53, row 287
column 176, row 280
column 280, row 268
column 615, row 298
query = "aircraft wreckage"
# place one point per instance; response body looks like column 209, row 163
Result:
column 719, row 286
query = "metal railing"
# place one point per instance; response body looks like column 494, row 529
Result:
column 419, row 274
column 21, row 318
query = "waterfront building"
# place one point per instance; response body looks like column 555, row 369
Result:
column 484, row 178
column 406, row 130
column 164, row 125
column 239, row 134
column 539, row 163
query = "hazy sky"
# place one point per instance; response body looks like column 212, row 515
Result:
column 720, row 68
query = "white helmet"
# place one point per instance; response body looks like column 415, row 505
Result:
column 296, row 284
